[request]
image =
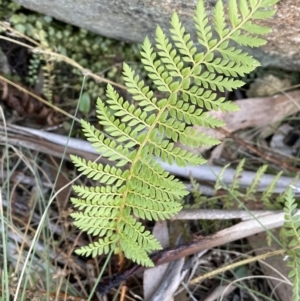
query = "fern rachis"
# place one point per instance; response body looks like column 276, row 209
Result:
column 188, row 80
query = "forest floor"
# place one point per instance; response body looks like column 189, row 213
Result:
column 212, row 250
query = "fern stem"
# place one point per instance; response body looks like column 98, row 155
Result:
column 136, row 159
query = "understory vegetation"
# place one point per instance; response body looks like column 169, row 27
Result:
column 162, row 179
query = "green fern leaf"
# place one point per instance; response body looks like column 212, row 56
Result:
column 244, row 9
column 168, row 55
column 106, row 146
column 204, row 31
column 292, row 232
column 190, row 114
column 156, row 71
column 245, row 62
column 247, row 40
column 260, row 15
column 152, row 126
column 227, row 68
column 219, row 20
column 139, row 92
column 259, row 174
column 255, row 29
column 160, row 178
column 208, row 99
column 97, row 195
column 123, row 110
column 217, row 82
column 169, row 153
column 98, row 172
column 182, row 41
column 102, row 246
column 233, row 13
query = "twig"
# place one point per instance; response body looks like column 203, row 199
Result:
column 66, row 59
column 212, row 214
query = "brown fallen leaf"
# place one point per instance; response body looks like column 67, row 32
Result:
column 27, row 106
column 255, row 112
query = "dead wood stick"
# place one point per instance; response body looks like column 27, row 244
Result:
column 221, row 214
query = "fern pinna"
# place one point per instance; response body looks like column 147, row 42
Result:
column 136, row 186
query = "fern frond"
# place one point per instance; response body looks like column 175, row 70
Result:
column 256, row 29
column 215, row 82
column 245, row 62
column 292, row 232
column 227, row 67
column 119, row 131
column 125, row 111
column 152, row 124
column 247, row 40
column 149, row 208
column 168, row 54
column 158, row 185
column 294, row 274
column 219, row 20
column 96, row 223
column 292, row 220
column 253, row 187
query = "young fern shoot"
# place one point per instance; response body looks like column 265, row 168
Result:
column 135, row 186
